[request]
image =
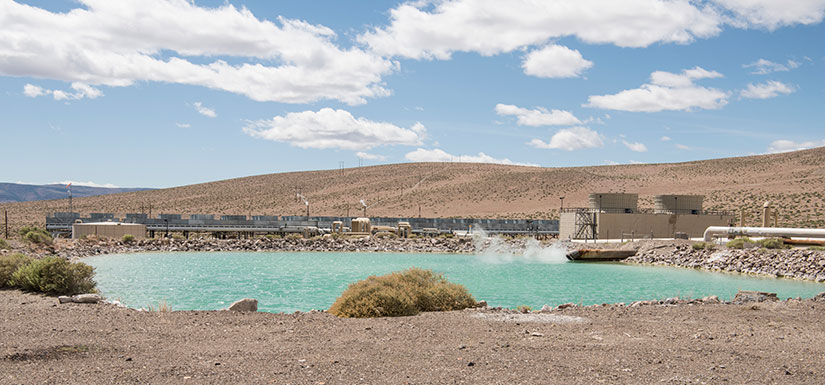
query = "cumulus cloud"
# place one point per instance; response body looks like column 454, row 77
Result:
column 764, row 67
column 81, row 91
column 767, row 90
column 489, row 27
column 329, row 128
column 772, row 14
column 666, row 91
column 174, row 41
column 570, row 139
column 555, row 61
column 183, row 125
column 635, row 146
column 665, row 139
column 683, row 147
column 368, row 156
column 205, row 111
column 437, row 155
column 783, row 145
column 537, row 117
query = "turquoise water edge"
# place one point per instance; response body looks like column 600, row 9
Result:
column 288, row 282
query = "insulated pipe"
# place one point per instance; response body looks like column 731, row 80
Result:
column 762, row 232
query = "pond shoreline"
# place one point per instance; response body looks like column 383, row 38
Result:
column 800, row 264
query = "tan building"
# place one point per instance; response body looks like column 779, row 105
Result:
column 617, row 216
column 109, row 230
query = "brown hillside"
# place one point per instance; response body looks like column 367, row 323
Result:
column 794, row 182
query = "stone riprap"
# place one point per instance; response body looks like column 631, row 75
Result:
column 789, row 263
column 84, row 248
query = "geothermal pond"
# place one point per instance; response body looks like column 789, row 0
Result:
column 286, row 282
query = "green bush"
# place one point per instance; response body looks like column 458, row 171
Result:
column 38, row 238
column 703, row 246
column 294, row 236
column 128, row 238
column 35, row 235
column 4, row 245
column 8, row 265
column 401, row 294
column 27, row 229
column 817, row 248
column 773, row 243
column 738, row 243
column 54, row 275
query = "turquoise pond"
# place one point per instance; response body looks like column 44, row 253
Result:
column 286, row 281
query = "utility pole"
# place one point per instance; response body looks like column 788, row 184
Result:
column 6, row 215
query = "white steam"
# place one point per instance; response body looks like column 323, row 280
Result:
column 496, row 250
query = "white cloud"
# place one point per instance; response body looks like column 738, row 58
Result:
column 368, row 156
column 491, row 27
column 81, row 91
column 682, row 147
column 788, row 145
column 538, row 117
column 555, row 61
column 183, row 125
column 205, row 111
column 665, row 139
column 637, row 147
column 772, row 14
column 569, row 139
column 89, row 184
column 767, row 90
column 437, row 155
column 666, row 91
column 764, row 67
column 175, row 41
column 330, row 128
column 33, row 91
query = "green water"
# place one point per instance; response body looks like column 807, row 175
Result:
column 286, row 282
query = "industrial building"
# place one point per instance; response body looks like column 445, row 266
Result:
column 108, row 229
column 617, row 216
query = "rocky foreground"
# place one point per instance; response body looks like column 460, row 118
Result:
column 656, row 342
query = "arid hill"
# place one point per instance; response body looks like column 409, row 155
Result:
column 794, row 182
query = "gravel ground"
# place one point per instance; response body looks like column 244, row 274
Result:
column 778, row 342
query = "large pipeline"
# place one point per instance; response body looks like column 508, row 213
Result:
column 762, row 232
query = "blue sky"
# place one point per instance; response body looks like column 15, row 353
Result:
column 160, row 93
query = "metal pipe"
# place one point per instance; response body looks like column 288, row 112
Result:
column 762, row 232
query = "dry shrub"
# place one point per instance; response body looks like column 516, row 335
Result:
column 401, row 294
column 4, row 245
column 8, row 265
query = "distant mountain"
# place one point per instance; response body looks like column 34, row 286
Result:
column 14, row 192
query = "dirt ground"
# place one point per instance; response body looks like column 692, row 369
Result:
column 43, row 342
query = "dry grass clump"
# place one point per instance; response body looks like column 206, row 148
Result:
column 401, row 294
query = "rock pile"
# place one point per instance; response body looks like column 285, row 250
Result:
column 83, row 248
column 794, row 263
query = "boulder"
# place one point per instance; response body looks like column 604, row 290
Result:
column 246, row 304
column 744, row 296
column 546, row 309
column 64, row 299
column 566, row 305
column 819, row 297
column 87, row 298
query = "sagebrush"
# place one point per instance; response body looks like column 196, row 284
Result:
column 401, row 294
column 8, row 265
column 54, row 275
